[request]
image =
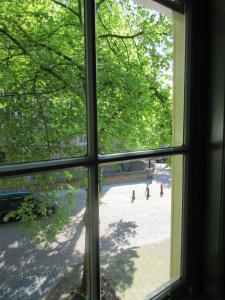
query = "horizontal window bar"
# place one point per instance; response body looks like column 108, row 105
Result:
column 109, row 158
column 176, row 6
column 25, row 168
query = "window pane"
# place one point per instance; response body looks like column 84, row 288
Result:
column 42, row 80
column 140, row 226
column 140, row 72
column 43, row 252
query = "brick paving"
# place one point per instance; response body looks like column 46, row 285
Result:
column 27, row 268
column 136, row 261
column 135, row 244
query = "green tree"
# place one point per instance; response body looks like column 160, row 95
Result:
column 43, row 88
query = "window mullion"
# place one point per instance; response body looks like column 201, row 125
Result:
column 92, row 204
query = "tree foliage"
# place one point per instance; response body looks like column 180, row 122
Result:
column 134, row 51
column 42, row 78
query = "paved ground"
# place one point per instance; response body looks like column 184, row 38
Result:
column 135, row 244
column 135, row 235
column 136, row 272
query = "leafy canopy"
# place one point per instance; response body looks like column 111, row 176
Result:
column 43, row 85
column 42, row 78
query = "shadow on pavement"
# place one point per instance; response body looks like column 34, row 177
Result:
column 117, row 265
column 28, row 268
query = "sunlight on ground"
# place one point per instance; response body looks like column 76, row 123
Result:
column 135, row 237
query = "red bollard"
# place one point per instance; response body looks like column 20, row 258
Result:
column 133, row 195
column 147, row 193
column 161, row 190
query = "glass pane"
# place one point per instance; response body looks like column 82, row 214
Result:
column 43, row 235
column 140, row 64
column 42, row 80
column 140, row 226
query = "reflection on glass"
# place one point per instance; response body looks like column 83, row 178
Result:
column 43, row 236
column 42, row 80
column 136, row 46
column 140, row 226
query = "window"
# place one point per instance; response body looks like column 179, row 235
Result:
column 140, row 240
column 93, row 147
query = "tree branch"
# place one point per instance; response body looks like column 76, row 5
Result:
column 100, row 19
column 48, row 35
column 99, row 3
column 57, row 52
column 39, row 93
column 112, row 49
column 125, row 46
column 67, row 7
column 44, row 67
column 52, row 72
column 120, row 36
column 158, row 94
column 5, row 32
column 10, row 56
